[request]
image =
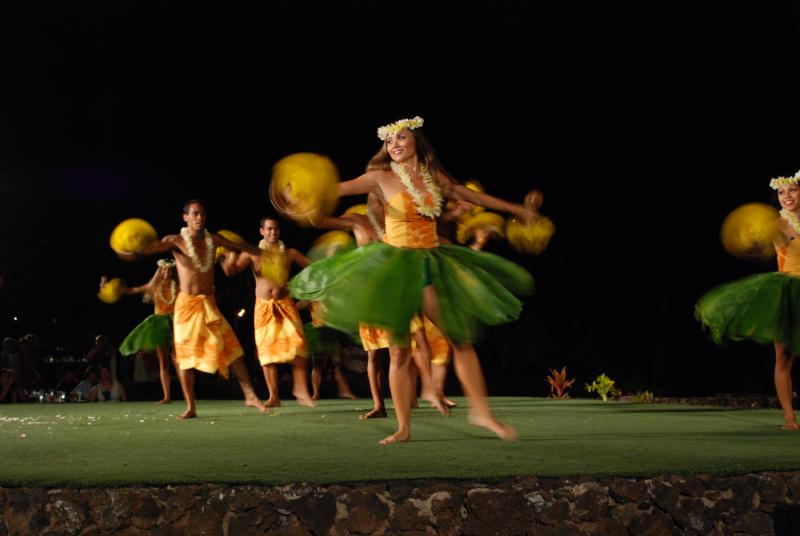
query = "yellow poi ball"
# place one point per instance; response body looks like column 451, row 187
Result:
column 475, row 186
column 357, row 209
column 491, row 222
column 330, row 244
column 303, row 187
column 532, row 237
column 750, row 230
column 112, row 291
column 230, row 235
column 132, row 236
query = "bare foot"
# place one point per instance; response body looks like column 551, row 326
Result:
column 165, row 401
column 437, row 402
column 348, row 394
column 188, row 414
column 315, row 396
column 379, row 413
column 256, row 403
column 397, row 437
column 414, row 404
column 791, row 426
column 272, row 403
column 303, row 399
column 503, row 431
column 449, row 403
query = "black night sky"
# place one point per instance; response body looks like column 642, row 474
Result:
column 644, row 123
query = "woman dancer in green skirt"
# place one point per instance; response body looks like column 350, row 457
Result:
column 387, row 282
column 765, row 308
column 155, row 331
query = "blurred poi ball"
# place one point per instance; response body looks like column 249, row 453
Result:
column 112, row 290
column 303, row 187
column 475, row 186
column 532, row 237
column 357, row 209
column 750, row 230
column 229, row 235
column 330, row 244
column 488, row 221
column 132, row 236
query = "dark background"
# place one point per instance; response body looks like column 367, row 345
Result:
column 644, row 123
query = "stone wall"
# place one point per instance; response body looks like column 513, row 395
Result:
column 753, row 504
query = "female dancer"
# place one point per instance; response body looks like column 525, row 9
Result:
column 765, row 307
column 155, row 332
column 386, row 283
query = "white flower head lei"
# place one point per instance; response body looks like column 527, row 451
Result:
column 778, row 183
column 393, row 128
column 203, row 266
column 173, row 288
column 430, row 209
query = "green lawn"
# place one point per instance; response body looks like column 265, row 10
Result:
column 109, row 444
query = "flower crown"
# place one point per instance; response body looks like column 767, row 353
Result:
column 165, row 262
column 393, row 128
column 778, row 182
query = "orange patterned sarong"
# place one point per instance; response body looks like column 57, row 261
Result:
column 279, row 331
column 440, row 349
column 373, row 338
column 203, row 338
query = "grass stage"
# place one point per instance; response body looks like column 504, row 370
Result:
column 142, row 443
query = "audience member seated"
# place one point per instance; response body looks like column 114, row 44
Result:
column 84, row 388
column 108, row 388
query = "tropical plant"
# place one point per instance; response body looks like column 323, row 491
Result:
column 603, row 386
column 559, row 385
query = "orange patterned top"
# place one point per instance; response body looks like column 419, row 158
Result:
column 163, row 307
column 405, row 227
column 789, row 258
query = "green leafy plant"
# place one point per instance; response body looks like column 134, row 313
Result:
column 559, row 385
column 603, row 386
column 644, row 396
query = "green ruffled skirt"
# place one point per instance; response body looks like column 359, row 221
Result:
column 154, row 331
column 322, row 341
column 381, row 285
column 763, row 308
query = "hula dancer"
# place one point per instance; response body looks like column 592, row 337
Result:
column 278, row 328
column 366, row 223
column 155, row 332
column 387, row 283
column 204, row 340
column 765, row 307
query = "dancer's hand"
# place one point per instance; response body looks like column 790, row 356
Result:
column 525, row 214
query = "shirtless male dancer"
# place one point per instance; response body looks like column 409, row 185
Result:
column 203, row 338
column 278, row 328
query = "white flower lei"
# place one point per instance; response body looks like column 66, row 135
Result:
column 172, row 290
column 432, row 210
column 209, row 262
column 264, row 245
column 791, row 217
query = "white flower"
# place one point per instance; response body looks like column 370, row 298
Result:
column 200, row 265
column 392, row 128
column 430, row 209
